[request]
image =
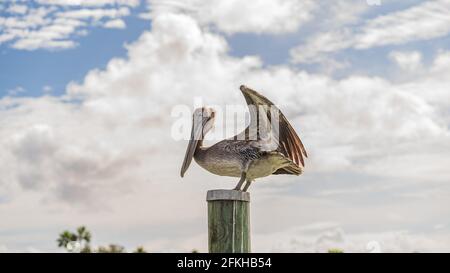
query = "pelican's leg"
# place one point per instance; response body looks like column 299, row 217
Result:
column 239, row 185
column 247, row 185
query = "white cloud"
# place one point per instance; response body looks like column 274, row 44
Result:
column 116, row 23
column 131, row 3
column 340, row 13
column 3, row 249
column 15, row 91
column 410, row 61
column 55, row 35
column 34, row 18
column 95, row 14
column 47, row 89
column 332, row 20
column 322, row 237
column 6, row 37
column 20, row 9
column 427, row 20
column 36, row 43
column 258, row 16
column 113, row 150
column 97, row 161
column 49, row 26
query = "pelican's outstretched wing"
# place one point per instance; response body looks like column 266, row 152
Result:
column 266, row 122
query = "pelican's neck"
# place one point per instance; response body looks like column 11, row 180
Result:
column 199, row 145
column 200, row 149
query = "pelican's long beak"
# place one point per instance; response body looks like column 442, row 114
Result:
column 196, row 135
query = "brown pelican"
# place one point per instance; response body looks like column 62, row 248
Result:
column 269, row 145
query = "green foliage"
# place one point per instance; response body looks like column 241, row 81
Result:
column 79, row 242
column 73, row 242
column 83, row 234
column 140, row 249
column 335, row 250
column 65, row 237
column 112, row 248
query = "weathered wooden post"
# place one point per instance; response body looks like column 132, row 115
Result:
column 228, row 221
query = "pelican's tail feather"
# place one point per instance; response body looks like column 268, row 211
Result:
column 288, row 166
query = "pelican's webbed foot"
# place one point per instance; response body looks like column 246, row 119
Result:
column 239, row 184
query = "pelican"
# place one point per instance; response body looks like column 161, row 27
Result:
column 269, row 145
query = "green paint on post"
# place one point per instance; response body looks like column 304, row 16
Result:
column 228, row 221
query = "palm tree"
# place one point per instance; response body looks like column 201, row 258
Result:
column 83, row 235
column 82, row 238
column 79, row 242
column 66, row 237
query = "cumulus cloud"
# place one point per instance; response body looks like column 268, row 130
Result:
column 424, row 21
column 259, row 16
column 106, row 147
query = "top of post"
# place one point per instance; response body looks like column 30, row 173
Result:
column 232, row 195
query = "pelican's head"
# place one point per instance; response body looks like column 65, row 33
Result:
column 203, row 118
column 202, row 123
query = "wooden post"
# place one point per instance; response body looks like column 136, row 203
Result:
column 228, row 221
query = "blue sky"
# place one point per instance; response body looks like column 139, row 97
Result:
column 365, row 86
column 33, row 70
column 39, row 69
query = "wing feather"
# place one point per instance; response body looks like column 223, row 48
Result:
column 289, row 144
